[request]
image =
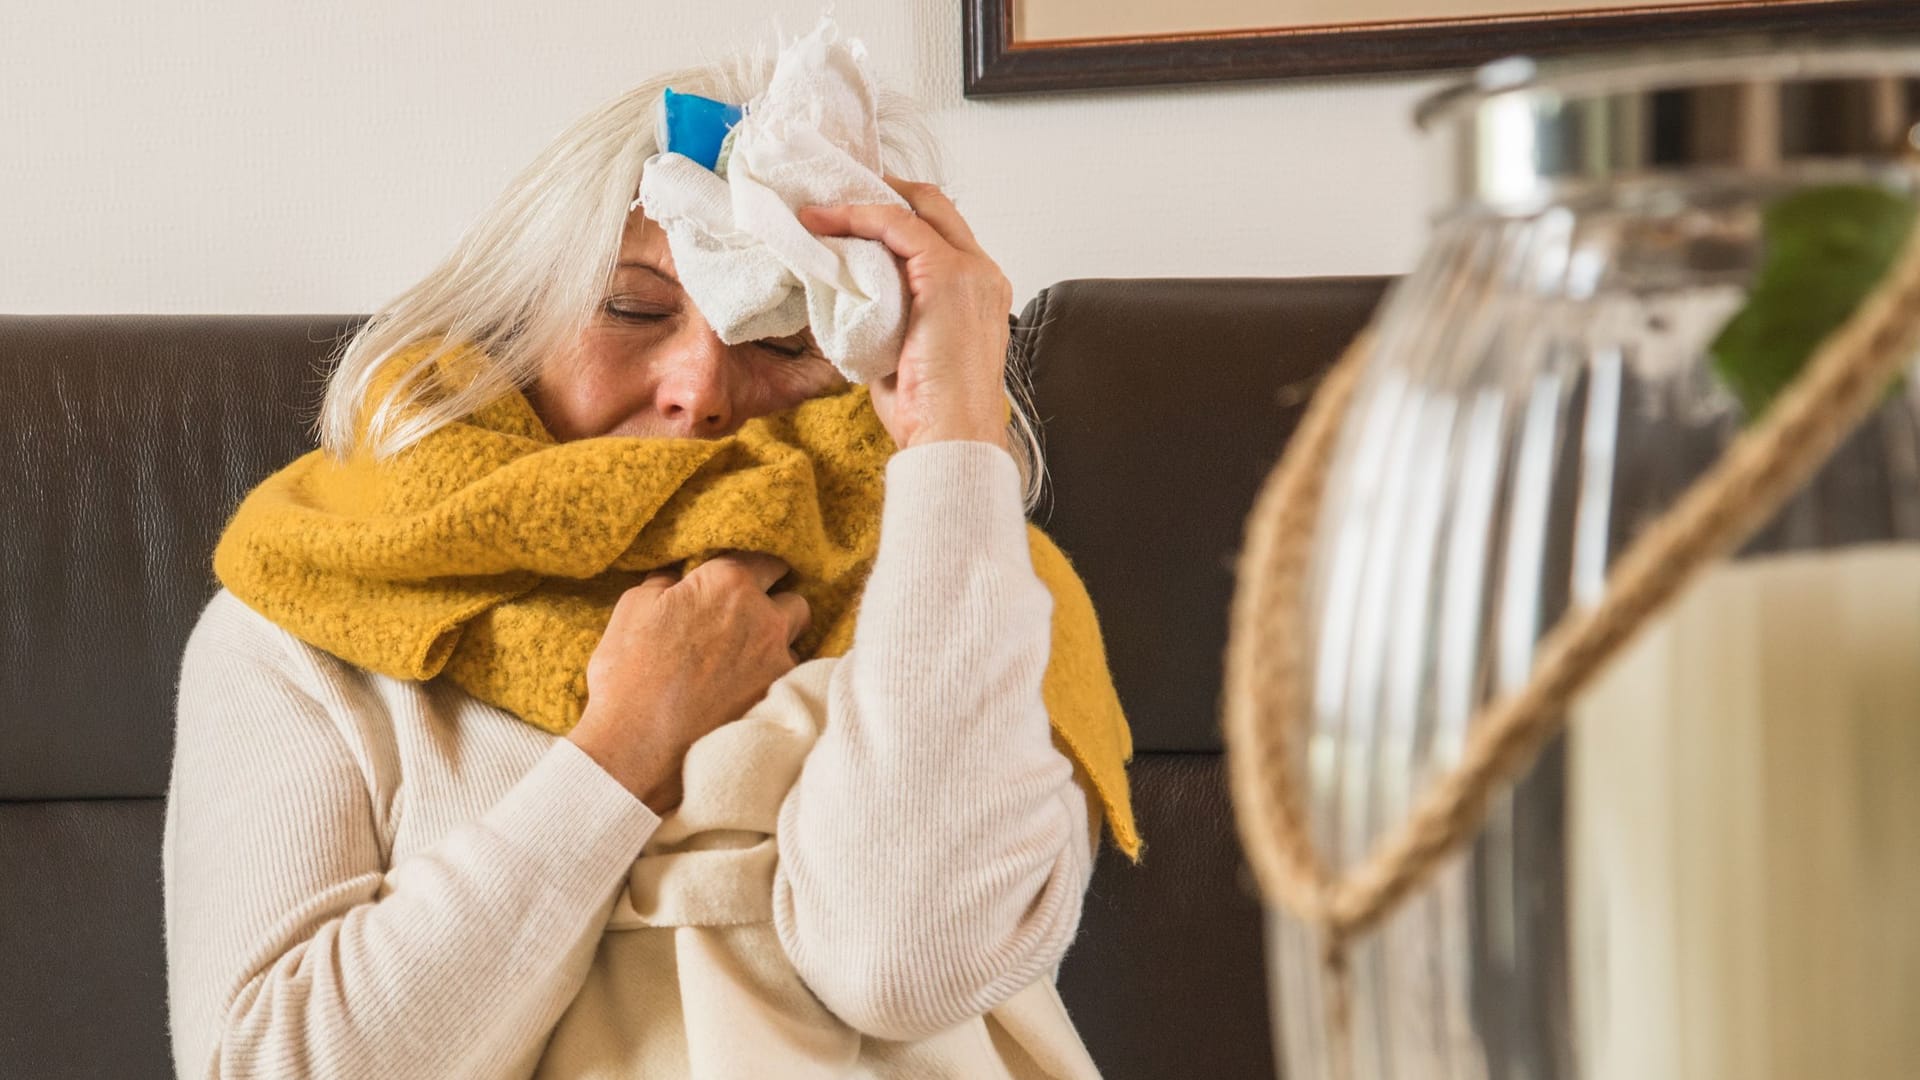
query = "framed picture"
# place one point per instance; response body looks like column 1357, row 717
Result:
column 1030, row 46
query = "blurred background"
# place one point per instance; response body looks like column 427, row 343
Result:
column 240, row 156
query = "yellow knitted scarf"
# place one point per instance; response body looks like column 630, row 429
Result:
column 491, row 554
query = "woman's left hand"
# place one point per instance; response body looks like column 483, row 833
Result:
column 951, row 380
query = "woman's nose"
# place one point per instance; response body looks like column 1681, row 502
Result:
column 694, row 395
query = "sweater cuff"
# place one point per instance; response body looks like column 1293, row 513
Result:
column 956, row 494
column 568, row 803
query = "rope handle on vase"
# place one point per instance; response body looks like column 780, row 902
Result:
column 1264, row 718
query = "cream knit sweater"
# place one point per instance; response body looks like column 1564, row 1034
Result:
column 873, row 874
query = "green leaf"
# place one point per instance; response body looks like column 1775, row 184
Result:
column 1825, row 250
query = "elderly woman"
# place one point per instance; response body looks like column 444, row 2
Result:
column 607, row 700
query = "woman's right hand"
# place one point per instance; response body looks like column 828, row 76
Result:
column 680, row 658
column 951, row 383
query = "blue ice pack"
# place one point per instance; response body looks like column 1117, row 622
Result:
column 697, row 126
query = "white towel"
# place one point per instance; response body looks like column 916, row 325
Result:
column 811, row 139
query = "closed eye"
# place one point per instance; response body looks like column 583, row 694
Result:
column 792, row 348
column 635, row 315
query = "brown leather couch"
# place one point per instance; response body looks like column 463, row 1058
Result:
column 126, row 441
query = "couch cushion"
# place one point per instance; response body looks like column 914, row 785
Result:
column 85, row 990
column 1165, row 977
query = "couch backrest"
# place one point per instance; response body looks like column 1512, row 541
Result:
column 126, row 441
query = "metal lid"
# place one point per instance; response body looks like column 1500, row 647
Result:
column 1519, row 131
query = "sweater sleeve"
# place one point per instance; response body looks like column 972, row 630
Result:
column 935, row 850
column 283, row 959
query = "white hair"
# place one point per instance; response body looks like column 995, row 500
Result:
column 532, row 270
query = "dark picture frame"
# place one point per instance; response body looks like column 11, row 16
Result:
column 996, row 64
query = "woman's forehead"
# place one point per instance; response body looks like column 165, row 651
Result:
column 644, row 241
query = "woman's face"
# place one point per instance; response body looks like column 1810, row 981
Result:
column 650, row 366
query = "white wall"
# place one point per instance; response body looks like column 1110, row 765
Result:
column 240, row 156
